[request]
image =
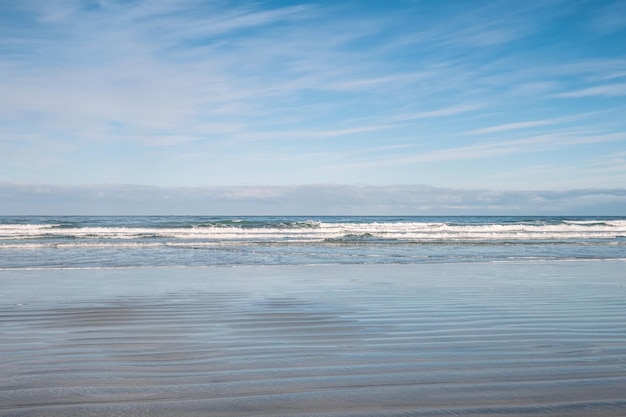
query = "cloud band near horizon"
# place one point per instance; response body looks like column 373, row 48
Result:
column 311, row 199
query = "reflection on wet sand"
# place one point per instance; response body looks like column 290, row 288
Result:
column 421, row 340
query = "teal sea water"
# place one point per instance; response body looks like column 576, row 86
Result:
column 132, row 241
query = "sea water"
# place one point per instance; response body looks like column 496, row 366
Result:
column 132, row 241
column 312, row 316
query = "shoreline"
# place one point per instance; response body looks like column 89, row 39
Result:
column 322, row 265
column 335, row 340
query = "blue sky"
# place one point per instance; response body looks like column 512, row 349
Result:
column 457, row 95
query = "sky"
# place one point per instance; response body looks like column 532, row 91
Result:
column 325, row 107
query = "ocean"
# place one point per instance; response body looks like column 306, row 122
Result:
column 312, row 316
column 133, row 241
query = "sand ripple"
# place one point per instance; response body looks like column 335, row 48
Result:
column 422, row 340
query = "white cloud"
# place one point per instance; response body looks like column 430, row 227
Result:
column 497, row 148
column 610, row 18
column 507, row 127
column 443, row 112
column 608, row 90
column 303, row 200
column 518, row 126
column 191, row 91
column 140, row 67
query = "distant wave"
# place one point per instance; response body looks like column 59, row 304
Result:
column 125, row 241
column 252, row 224
column 314, row 231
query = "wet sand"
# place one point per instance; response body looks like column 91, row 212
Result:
column 496, row 339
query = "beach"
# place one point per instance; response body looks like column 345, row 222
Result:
column 498, row 339
column 312, row 208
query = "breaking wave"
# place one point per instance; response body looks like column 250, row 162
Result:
column 325, row 231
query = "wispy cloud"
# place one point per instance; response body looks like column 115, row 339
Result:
column 607, row 90
column 610, row 18
column 443, row 112
column 191, row 92
column 487, row 24
column 169, row 68
column 512, row 126
column 524, row 125
column 314, row 199
column 492, row 149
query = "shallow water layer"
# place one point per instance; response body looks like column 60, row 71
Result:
column 497, row 339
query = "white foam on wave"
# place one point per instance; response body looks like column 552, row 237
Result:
column 403, row 231
column 18, row 230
